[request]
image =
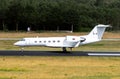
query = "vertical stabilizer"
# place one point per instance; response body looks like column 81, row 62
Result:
column 98, row 32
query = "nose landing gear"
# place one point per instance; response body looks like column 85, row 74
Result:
column 22, row 49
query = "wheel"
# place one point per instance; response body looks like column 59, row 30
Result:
column 64, row 49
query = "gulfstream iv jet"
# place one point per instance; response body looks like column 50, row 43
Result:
column 65, row 42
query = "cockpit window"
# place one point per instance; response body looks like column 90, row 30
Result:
column 22, row 40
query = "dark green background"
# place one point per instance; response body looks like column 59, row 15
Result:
column 16, row 15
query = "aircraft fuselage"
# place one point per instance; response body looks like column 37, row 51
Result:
column 65, row 42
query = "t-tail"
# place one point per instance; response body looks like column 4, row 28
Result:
column 96, row 34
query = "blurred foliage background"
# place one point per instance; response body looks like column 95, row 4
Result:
column 17, row 15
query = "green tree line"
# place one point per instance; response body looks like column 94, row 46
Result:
column 51, row 14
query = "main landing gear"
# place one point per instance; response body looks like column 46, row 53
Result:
column 70, row 48
column 65, row 50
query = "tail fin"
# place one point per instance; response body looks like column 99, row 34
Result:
column 98, row 31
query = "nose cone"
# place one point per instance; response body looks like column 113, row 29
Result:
column 18, row 43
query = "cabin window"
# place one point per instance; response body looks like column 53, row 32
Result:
column 35, row 41
column 39, row 41
column 73, row 38
column 44, row 41
column 54, row 41
column 58, row 41
column 49, row 41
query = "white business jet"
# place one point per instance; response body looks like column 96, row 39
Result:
column 65, row 42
